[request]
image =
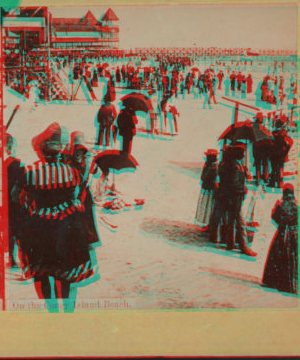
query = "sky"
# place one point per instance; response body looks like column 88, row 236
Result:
column 256, row 27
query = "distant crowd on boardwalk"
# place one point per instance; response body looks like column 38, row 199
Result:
column 165, row 75
column 165, row 80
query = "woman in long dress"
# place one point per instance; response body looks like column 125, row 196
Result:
column 249, row 82
column 208, row 187
column 80, row 159
column 281, row 269
column 71, row 83
column 33, row 93
column 53, row 236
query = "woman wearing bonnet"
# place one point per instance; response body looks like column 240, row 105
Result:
column 52, row 238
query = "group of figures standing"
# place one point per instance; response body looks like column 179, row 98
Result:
column 219, row 209
column 271, row 150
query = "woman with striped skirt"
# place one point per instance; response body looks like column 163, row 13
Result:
column 53, row 235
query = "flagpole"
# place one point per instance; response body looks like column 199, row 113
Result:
column 49, row 55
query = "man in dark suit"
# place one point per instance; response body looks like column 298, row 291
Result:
column 280, row 150
column 219, row 213
column 262, row 149
column 105, row 117
column 15, row 180
column 126, row 122
column 234, row 190
column 232, row 82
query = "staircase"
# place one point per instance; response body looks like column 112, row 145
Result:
column 58, row 90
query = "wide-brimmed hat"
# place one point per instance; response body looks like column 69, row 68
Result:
column 211, row 152
column 78, row 141
column 9, row 140
column 52, row 140
column 280, row 122
column 288, row 189
column 238, row 145
column 259, row 115
column 282, row 119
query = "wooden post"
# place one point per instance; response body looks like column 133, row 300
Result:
column 236, row 114
column 290, row 119
column 49, row 72
column 224, row 144
column 246, row 155
column 236, row 110
column 12, row 116
column 113, row 187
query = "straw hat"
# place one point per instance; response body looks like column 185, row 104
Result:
column 239, row 145
column 211, row 153
column 52, row 140
column 259, row 116
column 78, row 141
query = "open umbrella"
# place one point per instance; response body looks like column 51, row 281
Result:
column 248, row 131
column 195, row 69
column 137, row 102
column 115, row 159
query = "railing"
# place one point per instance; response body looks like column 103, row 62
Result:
column 18, row 78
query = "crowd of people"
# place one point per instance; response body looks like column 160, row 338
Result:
column 219, row 210
column 162, row 78
column 270, row 151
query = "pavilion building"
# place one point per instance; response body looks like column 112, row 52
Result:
column 34, row 30
column 86, row 33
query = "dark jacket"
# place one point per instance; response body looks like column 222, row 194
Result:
column 15, row 182
column 126, row 122
column 15, row 178
column 107, row 115
column 233, row 178
column 282, row 143
column 209, row 176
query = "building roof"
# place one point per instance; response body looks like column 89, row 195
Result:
column 90, row 18
column 110, row 16
column 82, row 34
column 86, row 23
column 69, row 21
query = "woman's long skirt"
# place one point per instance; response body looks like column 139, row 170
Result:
column 204, row 207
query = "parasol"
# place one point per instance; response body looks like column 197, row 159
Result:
column 115, row 159
column 138, row 102
column 248, row 131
